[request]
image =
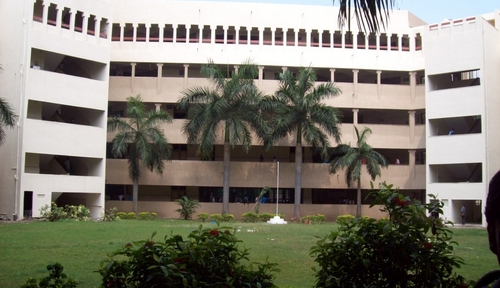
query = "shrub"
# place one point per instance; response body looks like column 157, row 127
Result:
column 399, row 252
column 344, row 219
column 55, row 213
column 228, row 217
column 56, row 279
column 207, row 258
column 320, row 218
column 264, row 217
column 131, row 215
column 146, row 216
column 110, row 215
column 216, row 217
column 203, row 217
column 188, row 207
column 121, row 215
column 250, row 217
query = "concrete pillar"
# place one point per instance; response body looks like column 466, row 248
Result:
column 411, row 164
column 161, row 28
column 308, row 37
column 158, row 107
column 296, row 31
column 85, row 24
column 237, row 35
column 355, row 82
column 236, row 68
column 378, row 83
column 122, row 29
column 273, row 35
column 132, row 76
column 59, row 16
column 188, row 27
column 159, row 78
column 261, row 74
column 186, row 66
column 261, row 36
column 284, row 69
column 134, row 28
column 332, row 75
column 411, row 122
column 355, row 123
column 413, row 86
column 72, row 20
column 174, row 35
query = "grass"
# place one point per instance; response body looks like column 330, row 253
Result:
column 27, row 247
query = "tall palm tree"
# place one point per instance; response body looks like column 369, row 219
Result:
column 7, row 118
column 141, row 139
column 353, row 158
column 230, row 106
column 371, row 14
column 296, row 107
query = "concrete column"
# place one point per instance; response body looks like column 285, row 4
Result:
column 378, row 83
column 249, row 34
column 377, row 41
column 148, row 30
column 45, row 15
column 308, row 37
column 59, row 17
column 320, row 38
column 354, row 41
column 158, row 107
column 332, row 75
column 284, row 69
column 355, row 82
column 237, row 35
column 273, row 35
column 411, row 122
column 72, row 20
column 224, row 28
column 97, row 28
column 411, row 164
column 343, row 39
column 236, row 68
column 122, row 29
column 355, row 123
column 188, row 27
column 132, row 76
column 174, row 35
column 400, row 42
column 284, row 37
column 261, row 74
column 261, row 36
column 296, row 31
column 161, row 28
column 159, row 78
column 134, row 37
column 186, row 70
column 413, row 85
column 85, row 24
column 389, row 46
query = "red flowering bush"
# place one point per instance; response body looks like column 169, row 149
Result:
column 207, row 258
column 409, row 249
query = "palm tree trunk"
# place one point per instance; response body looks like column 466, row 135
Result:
column 225, row 188
column 358, row 200
column 298, row 179
column 135, row 193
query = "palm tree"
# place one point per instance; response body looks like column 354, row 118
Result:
column 296, row 108
column 230, row 106
column 353, row 159
column 371, row 14
column 7, row 118
column 141, row 139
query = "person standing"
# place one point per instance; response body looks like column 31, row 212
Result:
column 462, row 213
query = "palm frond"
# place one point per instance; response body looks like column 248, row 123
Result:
column 371, row 15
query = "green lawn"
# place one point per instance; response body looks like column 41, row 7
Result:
column 27, row 247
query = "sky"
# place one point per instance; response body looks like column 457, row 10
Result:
column 431, row 11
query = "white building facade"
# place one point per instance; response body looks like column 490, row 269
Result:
column 394, row 82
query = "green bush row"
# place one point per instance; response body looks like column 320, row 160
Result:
column 141, row 216
column 216, row 217
column 56, row 213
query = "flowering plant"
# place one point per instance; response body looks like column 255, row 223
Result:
column 207, row 258
column 408, row 249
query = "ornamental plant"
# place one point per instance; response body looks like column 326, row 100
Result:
column 207, row 258
column 56, row 279
column 188, row 207
column 56, row 213
column 408, row 249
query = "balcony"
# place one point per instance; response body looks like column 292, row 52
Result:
column 169, row 89
column 57, row 138
column 258, row 174
column 46, row 86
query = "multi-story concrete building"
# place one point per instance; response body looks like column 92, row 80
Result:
column 55, row 62
column 406, row 83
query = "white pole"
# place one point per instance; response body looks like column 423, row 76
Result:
column 277, row 185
